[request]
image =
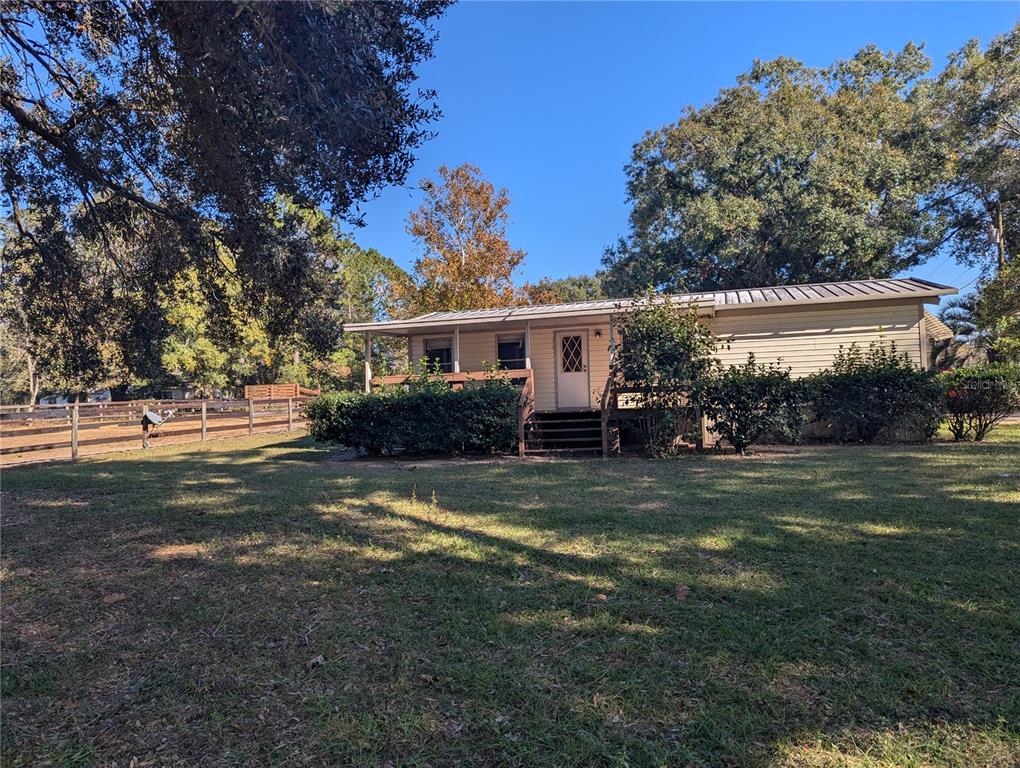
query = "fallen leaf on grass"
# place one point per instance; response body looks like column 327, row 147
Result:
column 317, row 661
column 114, row 597
column 682, row 592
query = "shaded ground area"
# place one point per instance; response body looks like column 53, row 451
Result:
column 265, row 604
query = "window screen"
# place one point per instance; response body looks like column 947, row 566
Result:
column 510, row 351
column 439, row 352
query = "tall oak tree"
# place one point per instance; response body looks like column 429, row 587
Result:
column 796, row 174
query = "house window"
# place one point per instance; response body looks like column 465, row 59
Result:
column 510, row 351
column 439, row 353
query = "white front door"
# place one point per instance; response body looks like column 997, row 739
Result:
column 572, row 369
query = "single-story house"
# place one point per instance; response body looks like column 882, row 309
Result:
column 562, row 351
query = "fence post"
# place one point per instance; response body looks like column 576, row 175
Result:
column 203, row 421
column 74, row 432
column 290, row 414
column 251, row 417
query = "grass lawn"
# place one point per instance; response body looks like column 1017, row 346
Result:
column 261, row 603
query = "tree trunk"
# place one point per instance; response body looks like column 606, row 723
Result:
column 33, row 379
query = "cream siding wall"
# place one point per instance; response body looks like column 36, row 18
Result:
column 807, row 340
column 804, row 339
column 599, row 365
column 543, row 364
column 923, row 338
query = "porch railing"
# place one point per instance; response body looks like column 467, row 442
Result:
column 610, row 420
column 518, row 376
column 610, row 413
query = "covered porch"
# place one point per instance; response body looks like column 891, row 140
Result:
column 506, row 349
column 560, row 363
column 568, row 358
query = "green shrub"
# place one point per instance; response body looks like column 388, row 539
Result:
column 667, row 355
column 979, row 397
column 867, row 394
column 331, row 414
column 752, row 400
column 425, row 420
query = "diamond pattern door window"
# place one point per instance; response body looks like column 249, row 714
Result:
column 570, row 354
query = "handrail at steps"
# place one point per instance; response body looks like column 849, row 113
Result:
column 525, row 411
column 610, row 402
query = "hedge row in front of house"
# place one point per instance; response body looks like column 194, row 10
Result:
column 428, row 420
column 867, row 396
column 873, row 395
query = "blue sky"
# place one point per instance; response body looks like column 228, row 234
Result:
column 548, row 99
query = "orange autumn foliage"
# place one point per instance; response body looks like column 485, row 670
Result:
column 467, row 262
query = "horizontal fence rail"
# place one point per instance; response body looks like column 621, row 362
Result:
column 46, row 432
column 258, row 391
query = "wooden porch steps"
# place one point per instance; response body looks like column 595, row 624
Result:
column 564, row 432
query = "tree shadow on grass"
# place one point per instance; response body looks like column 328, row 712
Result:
column 529, row 615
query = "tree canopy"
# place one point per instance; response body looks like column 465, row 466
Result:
column 977, row 109
column 563, row 290
column 176, row 114
column 189, row 329
column 997, row 311
column 796, row 174
column 144, row 149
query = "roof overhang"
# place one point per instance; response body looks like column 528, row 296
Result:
column 709, row 304
column 512, row 318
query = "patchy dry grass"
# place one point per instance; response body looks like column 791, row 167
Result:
column 273, row 606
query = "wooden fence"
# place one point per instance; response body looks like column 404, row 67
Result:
column 45, row 432
column 258, row 391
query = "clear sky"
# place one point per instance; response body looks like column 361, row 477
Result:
column 548, row 99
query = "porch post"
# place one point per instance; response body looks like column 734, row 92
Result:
column 368, row 363
column 456, row 349
column 527, row 345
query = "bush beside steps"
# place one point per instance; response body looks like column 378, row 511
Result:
column 476, row 420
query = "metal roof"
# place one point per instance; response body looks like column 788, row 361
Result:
column 713, row 301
